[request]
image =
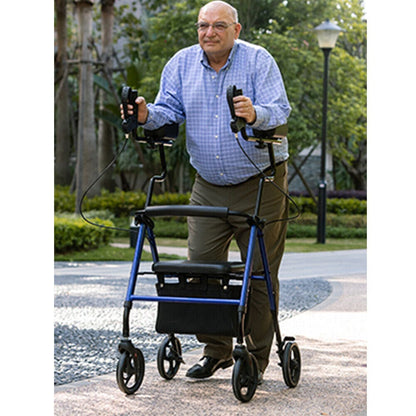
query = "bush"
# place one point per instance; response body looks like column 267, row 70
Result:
column 349, row 221
column 171, row 228
column 178, row 229
column 333, row 205
column 122, row 203
column 73, row 233
column 309, row 231
column 346, row 194
column 64, row 200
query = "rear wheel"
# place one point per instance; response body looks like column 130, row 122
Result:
column 169, row 357
column 291, row 364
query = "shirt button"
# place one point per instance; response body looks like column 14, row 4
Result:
column 217, row 96
column 217, row 157
column 216, row 115
column 216, row 137
column 221, row 174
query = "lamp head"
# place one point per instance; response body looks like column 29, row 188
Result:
column 327, row 34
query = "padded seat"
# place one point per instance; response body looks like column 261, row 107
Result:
column 198, row 267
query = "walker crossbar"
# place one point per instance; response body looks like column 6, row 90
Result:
column 173, row 299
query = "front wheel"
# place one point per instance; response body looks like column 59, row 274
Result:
column 130, row 371
column 169, row 357
column 291, row 364
column 245, row 378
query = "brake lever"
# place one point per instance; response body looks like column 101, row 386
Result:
column 237, row 123
column 130, row 123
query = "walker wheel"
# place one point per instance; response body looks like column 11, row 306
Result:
column 169, row 357
column 291, row 364
column 245, row 378
column 130, row 371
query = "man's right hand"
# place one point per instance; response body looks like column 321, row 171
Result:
column 142, row 113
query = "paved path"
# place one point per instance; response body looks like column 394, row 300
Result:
column 332, row 338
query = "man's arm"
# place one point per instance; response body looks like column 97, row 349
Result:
column 271, row 103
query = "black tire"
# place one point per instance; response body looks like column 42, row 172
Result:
column 130, row 371
column 291, row 364
column 170, row 353
column 245, row 378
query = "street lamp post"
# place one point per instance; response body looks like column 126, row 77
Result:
column 327, row 34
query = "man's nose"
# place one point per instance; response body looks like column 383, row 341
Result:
column 211, row 31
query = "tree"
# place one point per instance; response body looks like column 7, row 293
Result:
column 348, row 143
column 291, row 40
column 105, row 130
column 62, row 123
column 86, row 169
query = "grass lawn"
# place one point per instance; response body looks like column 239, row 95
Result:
column 294, row 245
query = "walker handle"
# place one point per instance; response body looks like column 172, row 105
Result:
column 130, row 123
column 237, row 123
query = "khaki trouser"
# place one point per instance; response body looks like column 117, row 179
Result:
column 209, row 240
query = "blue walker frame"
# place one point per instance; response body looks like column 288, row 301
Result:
column 130, row 368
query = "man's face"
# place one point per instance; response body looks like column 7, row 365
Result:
column 217, row 44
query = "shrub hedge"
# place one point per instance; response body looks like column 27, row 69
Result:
column 122, row 203
column 309, row 231
column 346, row 218
column 334, row 229
column 73, row 233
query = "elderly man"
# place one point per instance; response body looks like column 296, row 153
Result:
column 193, row 88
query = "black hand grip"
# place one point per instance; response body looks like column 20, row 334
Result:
column 128, row 96
column 185, row 210
column 237, row 123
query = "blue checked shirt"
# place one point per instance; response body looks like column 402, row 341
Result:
column 191, row 90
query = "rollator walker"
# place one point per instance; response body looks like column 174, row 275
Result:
column 199, row 297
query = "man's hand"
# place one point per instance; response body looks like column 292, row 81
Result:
column 244, row 108
column 143, row 112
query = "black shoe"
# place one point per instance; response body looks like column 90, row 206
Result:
column 207, row 366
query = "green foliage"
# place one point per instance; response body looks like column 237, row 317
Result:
column 338, row 226
column 338, row 206
column 309, row 231
column 334, row 220
column 171, row 228
column 121, row 203
column 346, row 218
column 64, row 200
column 346, row 206
column 73, row 233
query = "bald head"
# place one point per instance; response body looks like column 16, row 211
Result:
column 221, row 5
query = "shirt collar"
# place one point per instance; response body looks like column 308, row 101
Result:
column 204, row 59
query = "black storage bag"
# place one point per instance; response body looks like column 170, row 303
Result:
column 196, row 318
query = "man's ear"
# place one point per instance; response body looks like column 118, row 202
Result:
column 237, row 30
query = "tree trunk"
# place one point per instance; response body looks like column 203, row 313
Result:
column 62, row 126
column 87, row 143
column 105, row 131
column 357, row 167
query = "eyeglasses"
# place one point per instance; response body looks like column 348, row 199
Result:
column 218, row 27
